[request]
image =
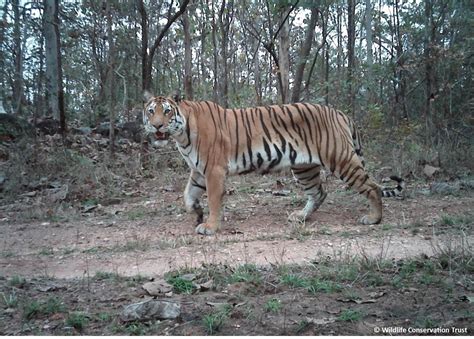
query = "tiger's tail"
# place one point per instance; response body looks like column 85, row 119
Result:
column 394, row 191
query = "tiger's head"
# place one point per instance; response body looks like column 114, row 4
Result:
column 161, row 116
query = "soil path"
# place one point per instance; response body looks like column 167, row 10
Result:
column 150, row 235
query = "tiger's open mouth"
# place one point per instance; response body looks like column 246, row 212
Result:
column 161, row 136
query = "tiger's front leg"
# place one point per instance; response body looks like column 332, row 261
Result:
column 215, row 192
column 194, row 189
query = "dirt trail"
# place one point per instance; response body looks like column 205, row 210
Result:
column 151, row 235
column 158, row 262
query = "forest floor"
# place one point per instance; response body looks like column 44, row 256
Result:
column 72, row 269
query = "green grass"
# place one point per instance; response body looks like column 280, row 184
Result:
column 136, row 214
column 246, row 273
column 92, row 250
column 181, row 285
column 17, row 281
column 104, row 317
column 34, row 308
column 135, row 244
column 456, row 220
column 325, row 286
column 374, row 279
column 273, row 305
column 53, row 305
column 302, row 326
column 136, row 328
column 10, row 300
column 100, row 275
column 7, row 254
column 213, row 322
column 77, row 320
column 31, row 309
column 294, row 280
column 350, row 315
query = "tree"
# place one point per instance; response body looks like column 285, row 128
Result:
column 188, row 77
column 18, row 60
column 304, row 55
column 110, row 76
column 284, row 55
column 148, row 52
column 54, row 78
column 350, row 53
column 369, row 60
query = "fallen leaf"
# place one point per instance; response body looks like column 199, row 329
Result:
column 358, row 301
column 376, row 294
column 321, row 321
column 155, row 288
column 206, row 286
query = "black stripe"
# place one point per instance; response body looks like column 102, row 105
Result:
column 248, row 132
column 290, row 114
column 264, row 127
column 266, row 147
column 293, row 154
column 310, row 187
column 236, row 136
column 259, row 160
column 196, row 184
column 303, row 115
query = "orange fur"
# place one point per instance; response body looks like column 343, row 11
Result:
column 216, row 142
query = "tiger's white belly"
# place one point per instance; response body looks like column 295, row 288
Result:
column 237, row 167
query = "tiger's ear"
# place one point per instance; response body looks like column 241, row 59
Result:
column 147, row 95
column 177, row 96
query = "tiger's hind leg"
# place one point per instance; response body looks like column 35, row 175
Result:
column 195, row 187
column 354, row 174
column 309, row 178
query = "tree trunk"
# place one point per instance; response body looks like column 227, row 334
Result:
column 350, row 53
column 304, row 54
column 368, row 31
column 284, row 57
column 18, row 60
column 188, row 77
column 400, row 73
column 215, row 64
column 149, row 53
column 226, row 13
column 144, row 47
column 3, row 82
column 339, row 56
column 430, row 31
column 54, row 85
column 110, row 79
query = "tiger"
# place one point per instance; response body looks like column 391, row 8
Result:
column 217, row 142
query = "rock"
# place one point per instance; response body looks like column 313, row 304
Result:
column 155, row 288
column 206, row 286
column 151, row 309
column 430, row 171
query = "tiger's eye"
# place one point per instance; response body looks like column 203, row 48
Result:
column 150, row 110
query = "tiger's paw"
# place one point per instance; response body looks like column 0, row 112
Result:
column 205, row 229
column 297, row 216
column 369, row 220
